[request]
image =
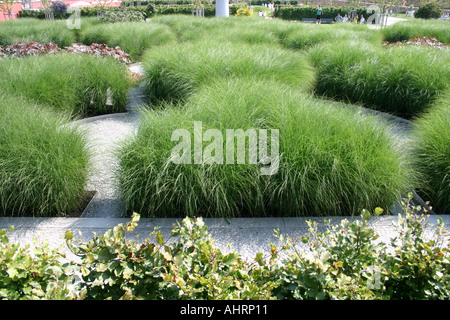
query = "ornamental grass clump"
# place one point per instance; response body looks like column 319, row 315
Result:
column 43, row 161
column 306, row 35
column 132, row 37
column 403, row 31
column 171, row 78
column 432, row 153
column 400, row 80
column 43, row 31
column 332, row 160
column 81, row 85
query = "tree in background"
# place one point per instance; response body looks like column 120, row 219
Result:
column 430, row 10
column 7, row 6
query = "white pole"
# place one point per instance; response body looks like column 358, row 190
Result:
column 222, row 8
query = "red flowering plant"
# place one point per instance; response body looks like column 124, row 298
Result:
column 33, row 48
column 100, row 49
column 420, row 40
column 21, row 49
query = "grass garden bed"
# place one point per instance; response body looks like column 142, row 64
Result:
column 43, row 161
column 334, row 161
column 242, row 73
column 402, row 80
column 27, row 30
column 432, row 153
column 80, row 85
column 237, row 73
column 132, row 37
column 170, row 78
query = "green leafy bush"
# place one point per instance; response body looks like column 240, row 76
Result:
column 43, row 161
column 35, row 275
column 186, row 266
column 432, row 153
column 344, row 261
column 301, row 12
column 77, row 84
column 428, row 11
column 348, row 164
column 347, row 261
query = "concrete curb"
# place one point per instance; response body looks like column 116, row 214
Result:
column 247, row 236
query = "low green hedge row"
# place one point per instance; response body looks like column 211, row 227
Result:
column 299, row 13
column 150, row 10
column 166, row 2
column 345, row 262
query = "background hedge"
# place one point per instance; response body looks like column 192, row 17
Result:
column 299, row 13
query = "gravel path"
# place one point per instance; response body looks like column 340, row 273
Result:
column 104, row 134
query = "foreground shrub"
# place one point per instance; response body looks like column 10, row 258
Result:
column 170, row 78
column 43, row 162
column 346, row 261
column 333, row 160
column 395, row 80
column 77, row 84
column 432, row 152
column 27, row 274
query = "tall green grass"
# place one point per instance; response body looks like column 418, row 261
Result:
column 43, row 31
column 189, row 28
column 173, row 72
column 334, row 160
column 132, row 37
column 406, row 30
column 308, row 35
column 401, row 80
column 43, row 161
column 432, row 153
column 73, row 83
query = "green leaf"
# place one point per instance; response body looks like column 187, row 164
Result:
column 68, row 235
column 159, row 238
column 104, row 254
column 230, row 258
column 365, row 214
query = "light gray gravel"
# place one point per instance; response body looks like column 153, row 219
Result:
column 104, row 134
